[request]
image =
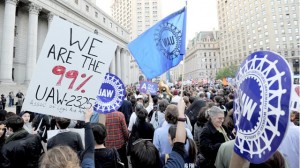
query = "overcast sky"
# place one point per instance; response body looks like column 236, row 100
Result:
column 201, row 16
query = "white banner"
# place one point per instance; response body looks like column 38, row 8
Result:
column 69, row 72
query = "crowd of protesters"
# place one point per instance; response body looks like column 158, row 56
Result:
column 192, row 129
column 12, row 100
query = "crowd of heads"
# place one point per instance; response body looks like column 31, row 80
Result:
column 206, row 108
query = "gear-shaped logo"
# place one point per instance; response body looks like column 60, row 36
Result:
column 111, row 95
column 168, row 40
column 261, row 105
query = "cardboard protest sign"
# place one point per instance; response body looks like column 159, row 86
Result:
column 110, row 95
column 69, row 72
column 148, row 87
column 261, row 105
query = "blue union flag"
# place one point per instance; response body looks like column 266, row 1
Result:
column 162, row 46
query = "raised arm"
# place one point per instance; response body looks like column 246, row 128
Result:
column 176, row 157
column 88, row 154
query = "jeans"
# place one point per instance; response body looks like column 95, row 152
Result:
column 11, row 102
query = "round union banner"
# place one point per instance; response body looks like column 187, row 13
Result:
column 110, row 95
column 261, row 105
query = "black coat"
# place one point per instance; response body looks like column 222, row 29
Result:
column 210, row 141
column 126, row 109
column 23, row 150
column 71, row 139
column 106, row 158
column 143, row 130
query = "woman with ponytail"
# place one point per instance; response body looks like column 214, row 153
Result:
column 141, row 129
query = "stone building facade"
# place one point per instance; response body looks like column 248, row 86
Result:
column 202, row 60
column 249, row 26
column 24, row 26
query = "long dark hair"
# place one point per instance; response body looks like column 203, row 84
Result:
column 276, row 160
column 201, row 118
column 193, row 110
column 141, row 114
column 192, row 145
column 228, row 121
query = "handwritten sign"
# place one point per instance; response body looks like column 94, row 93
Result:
column 148, row 87
column 110, row 95
column 261, row 105
column 69, row 72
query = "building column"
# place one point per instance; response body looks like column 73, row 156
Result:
column 34, row 11
column 127, row 67
column 112, row 67
column 124, row 66
column 50, row 18
column 6, row 57
column 119, row 63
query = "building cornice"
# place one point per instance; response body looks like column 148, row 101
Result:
column 83, row 17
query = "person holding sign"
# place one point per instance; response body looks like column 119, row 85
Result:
column 144, row 154
column 64, row 156
column 262, row 107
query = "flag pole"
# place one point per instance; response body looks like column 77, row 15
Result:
column 181, row 89
column 182, row 75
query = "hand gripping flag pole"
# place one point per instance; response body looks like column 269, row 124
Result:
column 162, row 46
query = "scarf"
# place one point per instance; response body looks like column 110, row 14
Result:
column 17, row 135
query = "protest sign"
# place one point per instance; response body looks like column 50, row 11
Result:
column 69, row 72
column 110, row 95
column 261, row 105
column 148, row 87
column 295, row 102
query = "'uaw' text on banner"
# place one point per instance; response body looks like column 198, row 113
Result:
column 69, row 71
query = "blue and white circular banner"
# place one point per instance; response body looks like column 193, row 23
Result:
column 110, row 95
column 261, row 105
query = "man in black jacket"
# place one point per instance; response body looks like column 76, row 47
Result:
column 21, row 149
column 65, row 136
